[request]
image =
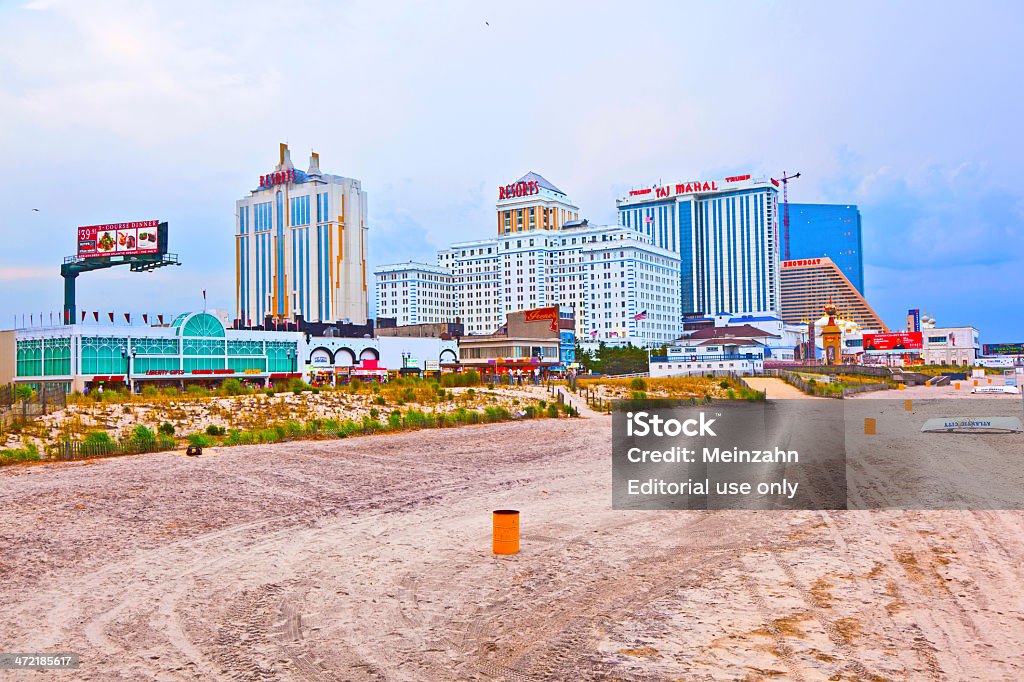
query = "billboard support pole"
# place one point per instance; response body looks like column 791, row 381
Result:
column 69, row 275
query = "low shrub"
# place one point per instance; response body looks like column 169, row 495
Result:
column 232, row 387
column 200, row 440
column 495, row 414
column 395, row 420
column 214, row 430
column 143, row 434
column 166, row 429
column 638, row 384
column 29, row 453
column 98, row 438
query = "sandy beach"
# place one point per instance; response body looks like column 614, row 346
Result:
column 369, row 559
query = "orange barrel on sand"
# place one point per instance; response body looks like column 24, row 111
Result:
column 506, row 531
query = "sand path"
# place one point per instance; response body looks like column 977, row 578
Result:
column 777, row 388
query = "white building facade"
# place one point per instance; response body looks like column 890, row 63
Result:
column 415, row 293
column 950, row 346
column 620, row 286
column 726, row 234
column 300, row 240
column 477, row 282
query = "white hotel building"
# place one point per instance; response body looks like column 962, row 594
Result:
column 619, row 285
column 301, row 247
column 415, row 293
column 726, row 234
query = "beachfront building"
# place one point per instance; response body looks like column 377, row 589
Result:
column 415, row 293
column 809, row 284
column 618, row 285
column 725, row 233
column 195, row 348
column 950, row 345
column 531, row 343
column 300, row 245
column 476, row 282
column 828, row 231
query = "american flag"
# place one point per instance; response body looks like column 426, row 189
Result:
column 640, row 316
column 648, row 219
column 593, row 333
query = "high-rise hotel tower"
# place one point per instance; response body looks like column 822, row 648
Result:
column 300, row 247
column 726, row 233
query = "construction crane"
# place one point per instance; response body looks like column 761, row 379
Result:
column 785, row 212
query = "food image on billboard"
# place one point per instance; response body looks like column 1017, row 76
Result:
column 893, row 342
column 118, row 239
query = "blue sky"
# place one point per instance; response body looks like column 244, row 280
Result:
column 115, row 111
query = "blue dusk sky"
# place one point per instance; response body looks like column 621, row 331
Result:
column 118, row 111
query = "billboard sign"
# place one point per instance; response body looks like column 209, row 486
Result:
column 893, row 342
column 1003, row 349
column 118, row 239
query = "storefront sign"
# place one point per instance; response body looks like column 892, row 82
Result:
column 118, row 239
column 893, row 341
column 164, row 372
column 539, row 314
column 519, row 189
column 320, row 357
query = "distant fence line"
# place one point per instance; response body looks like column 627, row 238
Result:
column 294, row 431
column 49, row 398
column 817, row 389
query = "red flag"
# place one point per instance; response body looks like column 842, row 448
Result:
column 145, row 318
column 111, row 315
column 96, row 315
column 51, row 318
column 128, row 318
column 31, row 319
column 83, row 316
column 161, row 318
